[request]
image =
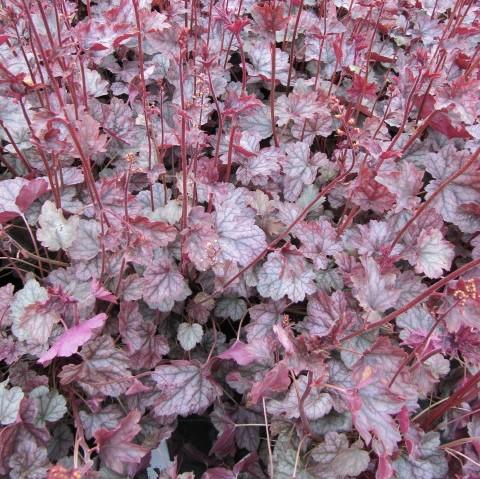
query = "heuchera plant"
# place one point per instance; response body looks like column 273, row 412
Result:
column 240, row 239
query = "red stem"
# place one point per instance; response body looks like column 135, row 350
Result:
column 9, row 167
column 301, row 409
column 427, row 203
column 20, row 155
column 426, row 421
column 292, row 47
column 317, row 75
column 418, row 299
column 360, row 98
column 230, row 153
column 183, row 153
column 325, row 190
column 220, row 116
column 244, row 63
column 272, row 96
column 420, row 345
column 142, row 79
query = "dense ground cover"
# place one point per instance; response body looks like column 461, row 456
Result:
column 240, row 239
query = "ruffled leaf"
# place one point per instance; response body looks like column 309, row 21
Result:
column 185, row 389
column 55, row 231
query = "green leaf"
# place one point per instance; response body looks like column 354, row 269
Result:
column 51, row 406
column 336, row 459
column 10, row 400
column 285, row 458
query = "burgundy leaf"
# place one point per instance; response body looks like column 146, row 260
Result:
column 218, row 473
column 30, row 192
column 115, row 446
column 276, row 380
column 241, row 353
column 9, row 192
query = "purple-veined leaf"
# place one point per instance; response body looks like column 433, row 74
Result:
column 335, row 459
column 9, row 192
column 300, row 168
column 261, row 167
column 239, row 238
column 319, row 240
column 385, row 358
column 285, row 274
column 325, row 312
column 236, row 289
column 316, row 404
column 260, row 65
column 51, row 406
column 29, row 460
column 145, row 348
column 428, row 463
column 415, row 324
column 405, row 183
column 296, row 107
column 32, row 319
column 95, row 84
column 107, row 418
column 104, row 369
column 201, row 239
column 231, row 307
column 199, row 307
column 185, row 388
column 258, row 121
column 320, row 125
column 463, row 190
column 376, row 292
column 286, row 463
column 370, row 239
column 263, row 317
column 432, row 254
column 163, row 285
column 36, row 324
column 156, row 233
column 299, row 162
column 372, row 407
column 86, row 244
